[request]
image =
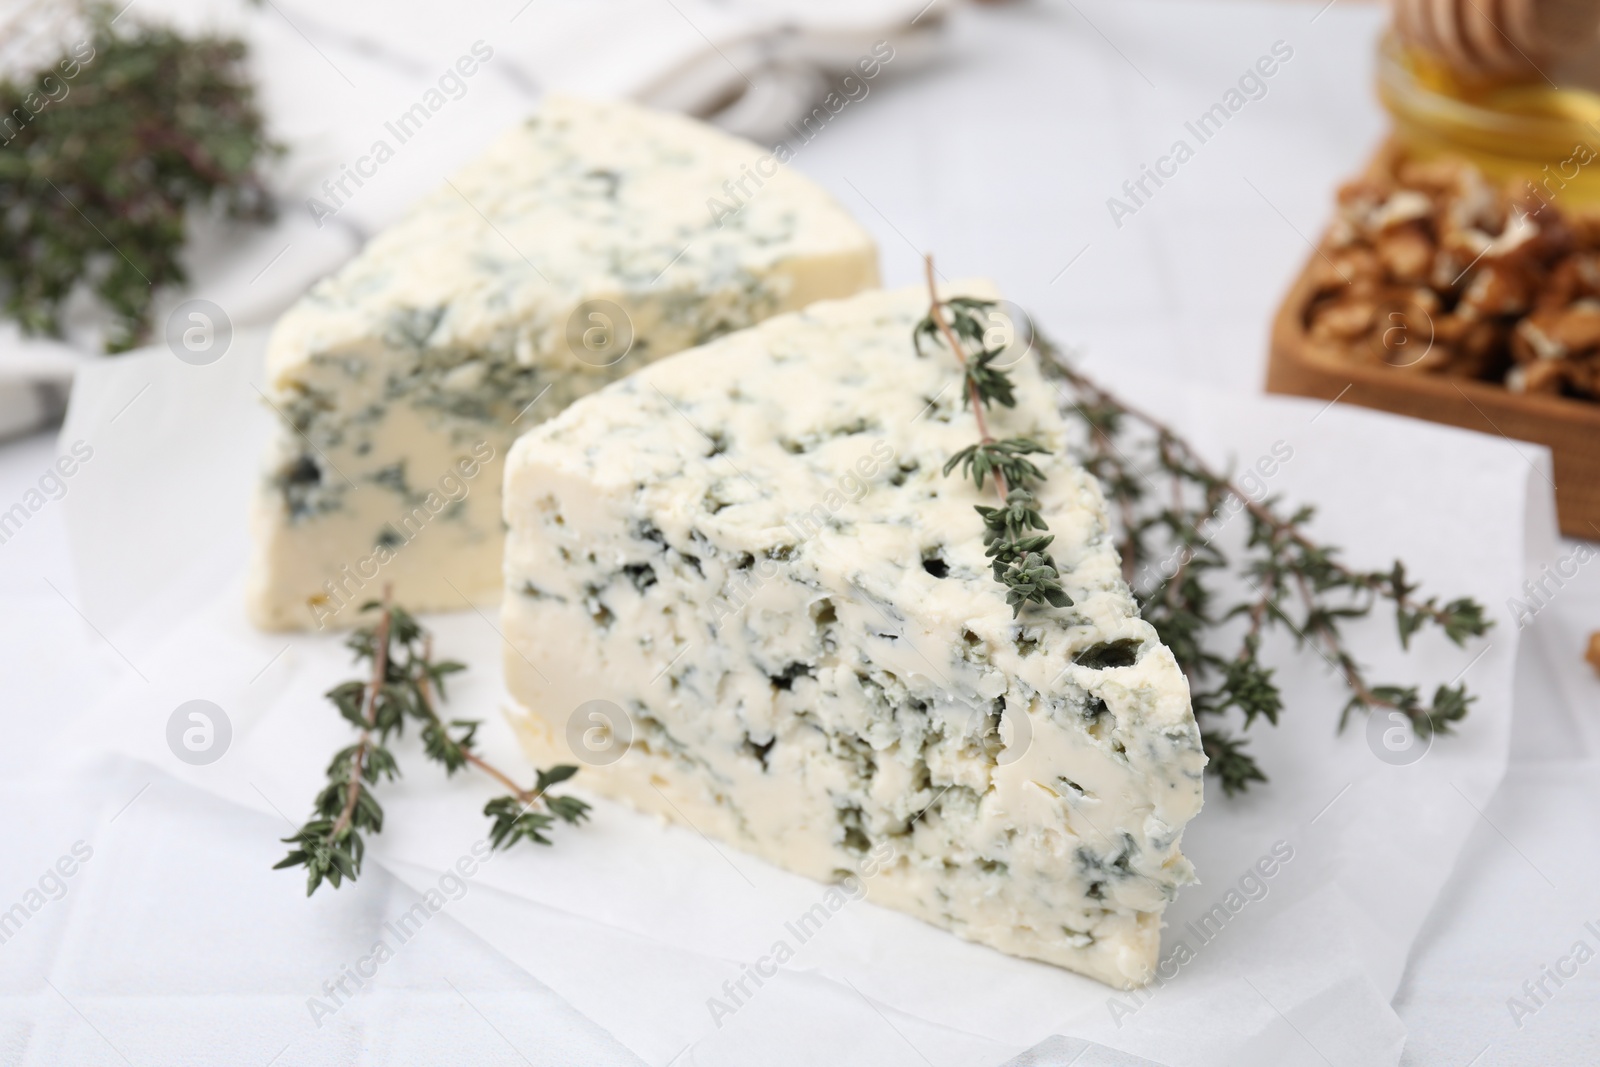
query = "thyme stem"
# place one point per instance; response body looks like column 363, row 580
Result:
column 406, row 682
column 1262, row 513
column 937, row 313
column 1015, row 532
column 425, row 688
column 1282, row 561
column 380, row 669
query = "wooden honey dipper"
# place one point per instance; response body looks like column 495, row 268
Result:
column 1490, row 39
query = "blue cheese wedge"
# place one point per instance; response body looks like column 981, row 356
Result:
column 587, row 242
column 740, row 587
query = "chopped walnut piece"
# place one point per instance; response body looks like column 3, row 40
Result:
column 1498, row 290
column 1530, row 344
column 1560, row 333
column 1520, row 237
column 1342, row 319
column 1574, row 277
column 1404, row 206
column 1473, row 347
column 1588, row 271
column 1541, row 376
column 1402, row 332
column 1363, row 192
column 1356, row 268
column 1583, row 376
column 1585, row 230
column 1406, row 253
column 1561, row 286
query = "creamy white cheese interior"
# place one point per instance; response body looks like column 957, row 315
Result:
column 580, row 247
column 750, row 553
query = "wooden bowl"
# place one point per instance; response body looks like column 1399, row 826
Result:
column 1569, row 428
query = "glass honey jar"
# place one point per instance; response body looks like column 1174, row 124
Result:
column 1543, row 131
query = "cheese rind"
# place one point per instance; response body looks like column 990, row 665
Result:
column 750, row 552
column 581, row 246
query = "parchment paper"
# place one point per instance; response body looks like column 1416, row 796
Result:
column 639, row 925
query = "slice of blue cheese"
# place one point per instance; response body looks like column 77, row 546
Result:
column 588, row 241
column 740, row 588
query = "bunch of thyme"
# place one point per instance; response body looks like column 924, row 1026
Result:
column 1163, row 498
column 402, row 686
column 101, row 157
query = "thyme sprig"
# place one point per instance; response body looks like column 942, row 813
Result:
column 1020, row 558
column 406, row 682
column 1165, row 498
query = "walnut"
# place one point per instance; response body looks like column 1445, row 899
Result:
column 1405, row 206
column 1341, row 319
column 1551, row 237
column 1450, row 266
column 1403, row 331
column 1471, row 347
column 1465, row 199
column 1531, row 344
column 1588, row 271
column 1355, row 268
column 1541, row 376
column 1480, row 352
column 1574, row 277
column 1562, row 332
column 1477, row 203
column 1341, row 233
column 1365, row 193
column 1583, row 376
column 1497, row 289
column 1585, row 230
column 1561, row 286
column 1406, row 252
column 1436, row 176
